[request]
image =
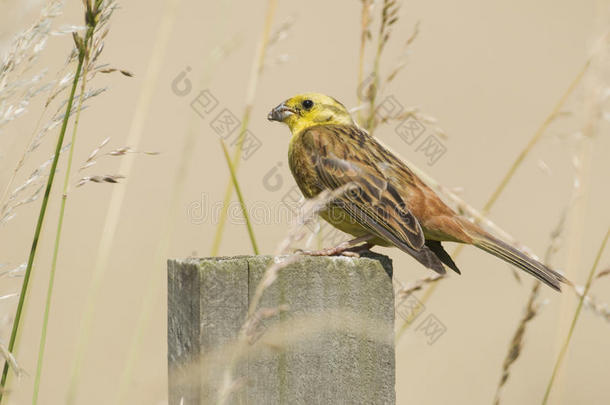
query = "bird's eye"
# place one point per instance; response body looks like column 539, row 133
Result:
column 307, row 104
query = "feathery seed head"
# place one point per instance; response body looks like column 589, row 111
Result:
column 310, row 109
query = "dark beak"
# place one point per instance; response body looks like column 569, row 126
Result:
column 280, row 113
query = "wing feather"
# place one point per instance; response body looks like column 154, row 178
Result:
column 374, row 202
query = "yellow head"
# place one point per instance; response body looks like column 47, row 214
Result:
column 307, row 110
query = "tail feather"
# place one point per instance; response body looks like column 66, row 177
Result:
column 436, row 247
column 517, row 258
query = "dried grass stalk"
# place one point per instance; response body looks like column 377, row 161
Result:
column 310, row 210
column 256, row 70
column 108, row 178
column 568, row 338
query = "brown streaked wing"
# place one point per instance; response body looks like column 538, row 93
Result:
column 374, row 203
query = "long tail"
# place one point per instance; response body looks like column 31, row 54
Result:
column 504, row 251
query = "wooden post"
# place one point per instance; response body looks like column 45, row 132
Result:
column 324, row 336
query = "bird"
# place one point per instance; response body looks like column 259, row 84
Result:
column 385, row 204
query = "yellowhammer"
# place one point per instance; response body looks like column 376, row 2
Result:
column 388, row 204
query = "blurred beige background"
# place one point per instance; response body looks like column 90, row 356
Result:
column 490, row 72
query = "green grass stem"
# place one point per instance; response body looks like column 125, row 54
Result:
column 240, row 197
column 39, row 223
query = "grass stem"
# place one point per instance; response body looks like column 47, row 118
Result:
column 41, row 216
column 136, row 130
column 509, row 174
column 365, row 22
column 64, row 197
column 534, row 140
column 564, row 347
column 240, row 197
column 153, row 287
column 257, row 68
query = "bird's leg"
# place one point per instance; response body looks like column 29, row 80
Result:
column 347, row 248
